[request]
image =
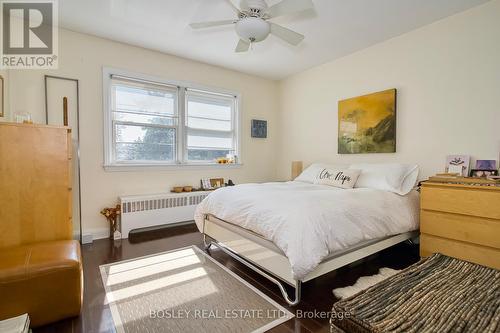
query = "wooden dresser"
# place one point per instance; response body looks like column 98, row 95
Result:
column 461, row 221
column 35, row 184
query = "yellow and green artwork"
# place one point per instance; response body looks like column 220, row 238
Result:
column 367, row 124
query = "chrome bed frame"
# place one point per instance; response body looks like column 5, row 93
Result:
column 263, row 257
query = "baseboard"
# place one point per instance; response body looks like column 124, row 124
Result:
column 97, row 233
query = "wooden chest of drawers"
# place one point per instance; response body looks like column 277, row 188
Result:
column 35, row 184
column 461, row 221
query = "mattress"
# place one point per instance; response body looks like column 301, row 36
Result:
column 307, row 222
column 272, row 247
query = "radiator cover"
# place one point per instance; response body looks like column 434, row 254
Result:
column 141, row 211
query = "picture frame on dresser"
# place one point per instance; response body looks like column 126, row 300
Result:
column 483, row 173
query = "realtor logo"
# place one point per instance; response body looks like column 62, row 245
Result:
column 29, row 34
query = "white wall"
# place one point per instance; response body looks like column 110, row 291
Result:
column 447, row 75
column 448, row 80
column 82, row 57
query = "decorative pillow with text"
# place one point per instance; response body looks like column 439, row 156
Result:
column 343, row 178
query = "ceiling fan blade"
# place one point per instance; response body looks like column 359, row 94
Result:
column 286, row 7
column 236, row 10
column 287, row 35
column 201, row 25
column 242, row 46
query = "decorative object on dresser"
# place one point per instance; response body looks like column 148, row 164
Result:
column 483, row 173
column 436, row 294
column 458, row 164
column 259, row 128
column 486, row 164
column 367, row 124
column 461, row 220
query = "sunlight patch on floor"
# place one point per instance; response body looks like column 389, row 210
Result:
column 139, row 271
column 125, row 266
column 156, row 284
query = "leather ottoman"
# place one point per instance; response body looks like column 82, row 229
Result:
column 42, row 279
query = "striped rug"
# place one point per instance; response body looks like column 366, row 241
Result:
column 437, row 294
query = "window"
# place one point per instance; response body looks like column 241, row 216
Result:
column 145, row 121
column 152, row 122
column 209, row 125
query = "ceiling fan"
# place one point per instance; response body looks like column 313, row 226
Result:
column 253, row 25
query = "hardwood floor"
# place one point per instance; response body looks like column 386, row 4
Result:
column 316, row 295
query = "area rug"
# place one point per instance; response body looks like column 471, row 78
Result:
column 364, row 282
column 437, row 294
column 185, row 290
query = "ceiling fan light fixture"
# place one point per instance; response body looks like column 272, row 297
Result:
column 253, row 29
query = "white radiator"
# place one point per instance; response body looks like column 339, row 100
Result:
column 141, row 211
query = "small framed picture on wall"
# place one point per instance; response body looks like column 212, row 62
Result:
column 259, row 128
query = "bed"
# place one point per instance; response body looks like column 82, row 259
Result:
column 292, row 232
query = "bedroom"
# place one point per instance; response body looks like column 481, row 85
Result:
column 439, row 60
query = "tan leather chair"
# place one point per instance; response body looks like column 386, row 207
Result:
column 42, row 279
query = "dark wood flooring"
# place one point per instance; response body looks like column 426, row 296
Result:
column 316, row 295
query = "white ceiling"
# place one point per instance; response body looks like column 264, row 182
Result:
column 333, row 29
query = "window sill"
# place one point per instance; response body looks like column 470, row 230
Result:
column 168, row 167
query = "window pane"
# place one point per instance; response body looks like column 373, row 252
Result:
column 142, row 99
column 207, row 140
column 209, row 108
column 144, row 152
column 202, row 123
column 134, row 142
column 210, row 132
column 206, row 155
column 145, row 119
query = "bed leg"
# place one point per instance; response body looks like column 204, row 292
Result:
column 298, row 287
column 298, row 284
column 206, row 244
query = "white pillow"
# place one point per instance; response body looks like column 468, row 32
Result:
column 310, row 173
column 343, row 178
column 393, row 177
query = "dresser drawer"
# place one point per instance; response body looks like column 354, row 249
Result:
column 476, row 202
column 482, row 255
column 470, row 229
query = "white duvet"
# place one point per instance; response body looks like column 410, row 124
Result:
column 308, row 222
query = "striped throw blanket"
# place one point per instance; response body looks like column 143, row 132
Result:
column 437, row 294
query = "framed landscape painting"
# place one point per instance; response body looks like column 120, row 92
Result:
column 367, row 124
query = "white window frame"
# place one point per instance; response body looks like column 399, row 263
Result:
column 234, row 129
column 181, row 138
